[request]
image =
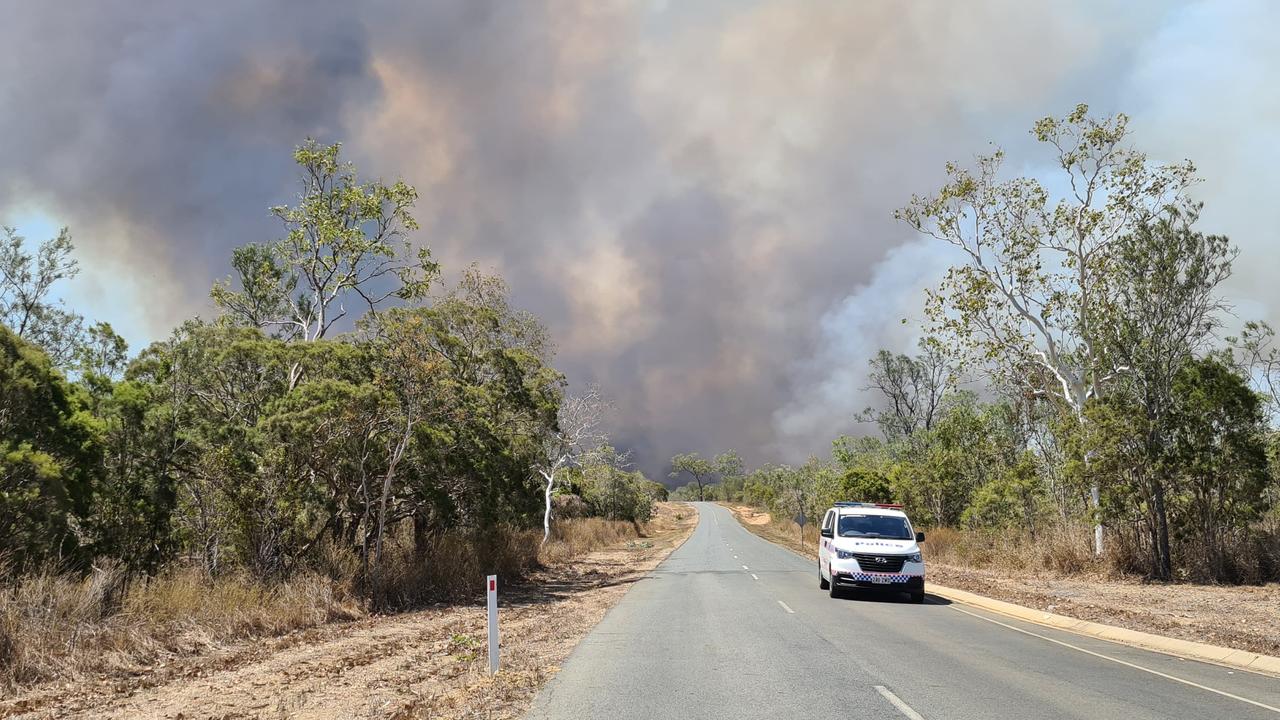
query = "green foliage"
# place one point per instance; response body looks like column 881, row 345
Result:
column 1037, row 265
column 699, row 468
column 1093, row 312
column 344, row 248
column 617, row 494
column 1013, row 498
column 1219, row 459
column 25, row 283
column 49, row 458
column 269, row 441
column 913, row 389
column 259, row 439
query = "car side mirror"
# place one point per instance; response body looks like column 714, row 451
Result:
column 826, row 532
column 919, row 537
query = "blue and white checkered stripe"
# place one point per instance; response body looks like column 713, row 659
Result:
column 865, row 577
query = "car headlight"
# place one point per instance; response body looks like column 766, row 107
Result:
column 844, row 554
column 914, row 557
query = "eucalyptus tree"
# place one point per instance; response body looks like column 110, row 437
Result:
column 1158, row 314
column 698, row 467
column 345, row 249
column 912, row 390
column 732, row 474
column 1258, row 355
column 613, row 491
column 499, row 397
column 26, row 303
column 1036, row 266
column 409, row 372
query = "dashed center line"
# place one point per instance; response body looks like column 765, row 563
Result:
column 896, row 701
column 744, row 567
column 785, row 607
column 754, row 576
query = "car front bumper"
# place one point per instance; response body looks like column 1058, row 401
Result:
column 848, row 574
column 877, row 581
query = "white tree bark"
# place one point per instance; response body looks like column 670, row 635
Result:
column 550, row 479
column 578, row 435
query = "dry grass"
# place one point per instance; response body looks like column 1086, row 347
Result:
column 1066, row 549
column 61, row 627
column 428, row 663
column 579, row 537
column 447, row 568
column 1059, row 550
column 65, row 627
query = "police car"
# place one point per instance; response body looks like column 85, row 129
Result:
column 870, row 545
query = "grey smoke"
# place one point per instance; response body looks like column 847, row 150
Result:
column 697, row 198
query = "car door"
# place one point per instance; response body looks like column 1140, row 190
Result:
column 824, row 544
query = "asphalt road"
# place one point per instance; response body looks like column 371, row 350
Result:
column 733, row 626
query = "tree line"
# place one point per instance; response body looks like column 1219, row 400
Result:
column 338, row 399
column 1072, row 372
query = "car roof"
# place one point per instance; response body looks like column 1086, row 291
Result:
column 868, row 510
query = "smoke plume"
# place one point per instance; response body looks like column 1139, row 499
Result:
column 696, row 197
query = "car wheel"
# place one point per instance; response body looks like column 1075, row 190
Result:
column 832, row 590
column 822, row 582
column 917, row 597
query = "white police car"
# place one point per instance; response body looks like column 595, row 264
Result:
column 872, row 546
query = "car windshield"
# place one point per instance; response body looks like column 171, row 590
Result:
column 874, row 526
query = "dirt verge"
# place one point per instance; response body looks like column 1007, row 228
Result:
column 426, row 664
column 1241, row 617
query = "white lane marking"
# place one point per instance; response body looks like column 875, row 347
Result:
column 744, row 567
column 896, row 701
column 754, row 576
column 784, row 607
column 735, row 557
column 1122, row 662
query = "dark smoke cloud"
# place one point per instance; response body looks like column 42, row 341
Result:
column 696, row 197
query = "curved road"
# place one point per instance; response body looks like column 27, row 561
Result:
column 733, row 626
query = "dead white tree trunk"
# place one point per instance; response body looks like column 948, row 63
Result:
column 550, row 478
column 577, row 436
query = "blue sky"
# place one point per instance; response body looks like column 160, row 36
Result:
column 101, row 292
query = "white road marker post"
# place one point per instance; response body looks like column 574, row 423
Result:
column 492, row 586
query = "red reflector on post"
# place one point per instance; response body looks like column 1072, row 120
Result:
column 493, row 585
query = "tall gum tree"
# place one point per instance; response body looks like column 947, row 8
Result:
column 345, row 249
column 1035, row 265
